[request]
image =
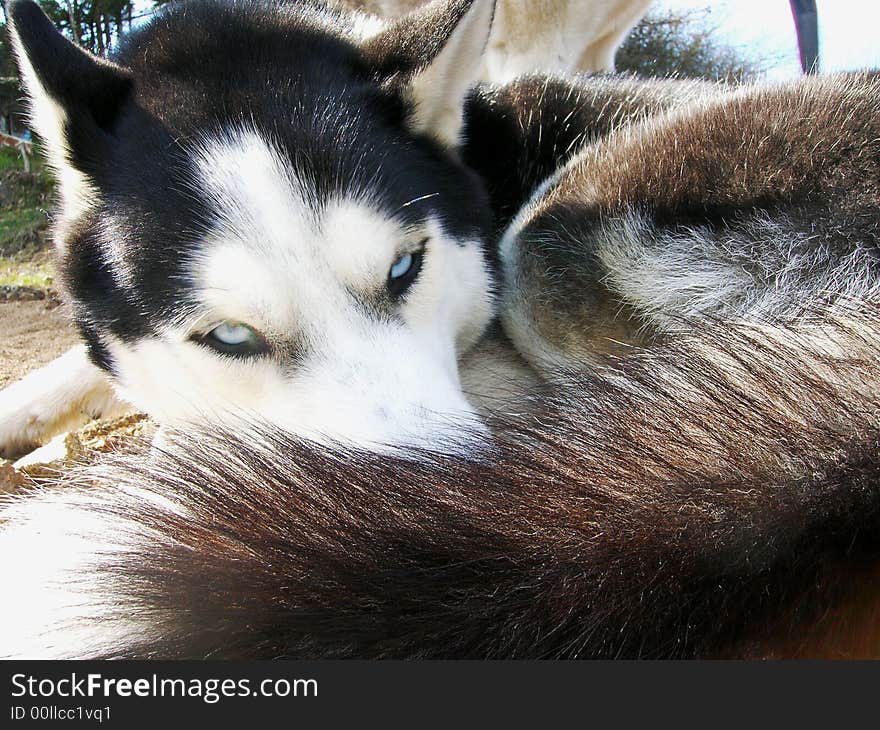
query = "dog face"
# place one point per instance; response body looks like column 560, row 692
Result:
column 262, row 212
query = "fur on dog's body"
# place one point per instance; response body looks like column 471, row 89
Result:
column 669, row 494
column 743, row 204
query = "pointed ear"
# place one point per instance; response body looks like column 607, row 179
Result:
column 434, row 56
column 75, row 97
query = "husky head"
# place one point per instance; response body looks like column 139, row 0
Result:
column 263, row 212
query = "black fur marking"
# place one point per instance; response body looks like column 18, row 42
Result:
column 412, row 41
column 98, row 353
column 519, row 134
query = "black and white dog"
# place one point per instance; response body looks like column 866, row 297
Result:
column 559, row 368
column 261, row 213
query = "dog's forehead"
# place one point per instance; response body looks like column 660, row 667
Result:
column 296, row 64
column 308, row 90
column 274, row 251
column 294, row 71
column 258, row 198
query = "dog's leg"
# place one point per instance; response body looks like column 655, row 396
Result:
column 64, row 394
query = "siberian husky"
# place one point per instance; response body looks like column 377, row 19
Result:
column 288, row 235
column 558, row 368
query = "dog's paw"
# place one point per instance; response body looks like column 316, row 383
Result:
column 61, row 396
column 30, row 414
column 26, row 420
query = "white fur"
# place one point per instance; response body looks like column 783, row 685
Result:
column 55, row 546
column 63, row 395
column 673, row 277
column 48, row 119
column 364, row 26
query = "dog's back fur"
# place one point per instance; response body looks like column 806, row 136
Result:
column 680, row 202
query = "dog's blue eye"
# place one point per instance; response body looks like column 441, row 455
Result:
column 401, row 266
column 403, row 273
column 231, row 334
column 234, row 338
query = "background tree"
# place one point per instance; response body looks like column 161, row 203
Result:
column 96, row 24
column 686, row 43
column 93, row 24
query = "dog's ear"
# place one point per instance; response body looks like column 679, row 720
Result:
column 75, row 97
column 433, row 55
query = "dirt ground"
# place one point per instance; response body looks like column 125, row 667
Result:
column 31, row 334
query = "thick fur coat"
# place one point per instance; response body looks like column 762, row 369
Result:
column 674, row 432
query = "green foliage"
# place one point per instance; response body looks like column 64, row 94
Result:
column 21, row 229
column 10, row 159
column 687, row 44
column 31, row 268
column 24, row 200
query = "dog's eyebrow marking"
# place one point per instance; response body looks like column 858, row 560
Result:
column 253, row 185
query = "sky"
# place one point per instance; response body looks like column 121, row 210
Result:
column 764, row 29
